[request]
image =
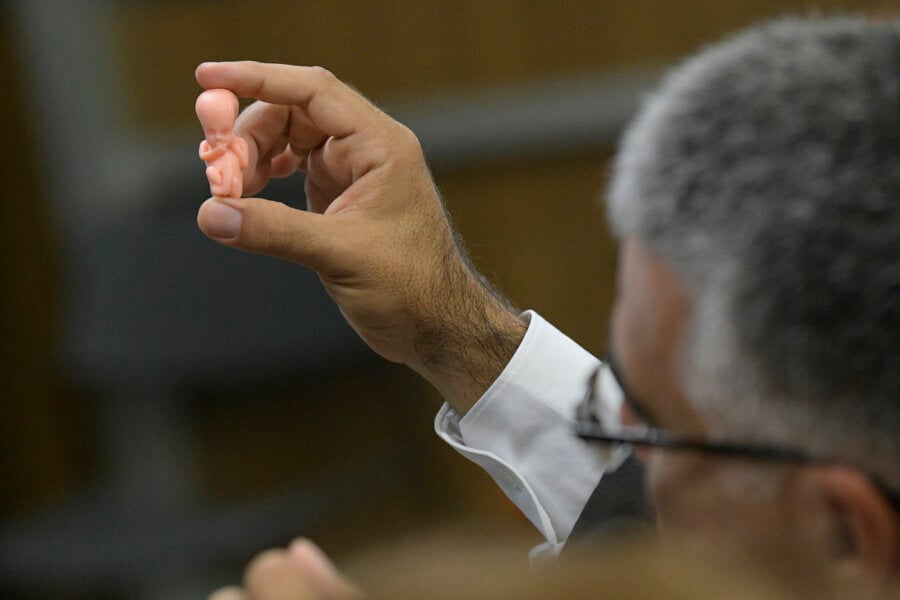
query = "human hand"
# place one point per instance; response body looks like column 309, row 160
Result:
column 376, row 230
column 301, row 572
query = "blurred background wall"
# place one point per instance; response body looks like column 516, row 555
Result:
column 522, row 186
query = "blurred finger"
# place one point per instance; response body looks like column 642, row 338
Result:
column 229, row 593
column 310, row 559
column 273, row 576
column 287, row 163
column 264, row 126
column 323, row 182
column 278, row 125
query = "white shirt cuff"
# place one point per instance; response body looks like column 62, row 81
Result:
column 521, row 430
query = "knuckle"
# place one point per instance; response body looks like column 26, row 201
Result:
column 408, row 136
column 407, row 140
column 323, row 75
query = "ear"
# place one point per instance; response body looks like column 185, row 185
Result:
column 870, row 523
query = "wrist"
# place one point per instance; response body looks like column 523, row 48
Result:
column 474, row 337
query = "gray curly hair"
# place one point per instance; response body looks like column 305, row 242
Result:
column 766, row 172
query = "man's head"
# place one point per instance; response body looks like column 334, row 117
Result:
column 758, row 198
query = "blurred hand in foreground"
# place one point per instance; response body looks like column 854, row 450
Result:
column 301, row 572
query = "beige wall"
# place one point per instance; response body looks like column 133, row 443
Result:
column 407, row 47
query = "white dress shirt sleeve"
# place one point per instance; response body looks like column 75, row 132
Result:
column 521, row 431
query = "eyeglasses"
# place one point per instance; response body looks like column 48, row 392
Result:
column 598, row 418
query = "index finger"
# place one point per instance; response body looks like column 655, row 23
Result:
column 332, row 106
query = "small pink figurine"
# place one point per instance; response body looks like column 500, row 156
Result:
column 226, row 154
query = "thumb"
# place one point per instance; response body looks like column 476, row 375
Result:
column 267, row 227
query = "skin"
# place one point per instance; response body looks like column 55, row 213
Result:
column 377, row 234
column 376, row 231
column 801, row 521
column 299, row 572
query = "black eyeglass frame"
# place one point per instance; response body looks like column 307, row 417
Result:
column 587, row 426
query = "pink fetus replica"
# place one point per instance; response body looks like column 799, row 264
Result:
column 226, row 154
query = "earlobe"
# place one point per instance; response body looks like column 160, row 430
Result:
column 870, row 523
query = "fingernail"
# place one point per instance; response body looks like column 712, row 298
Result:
column 220, row 220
